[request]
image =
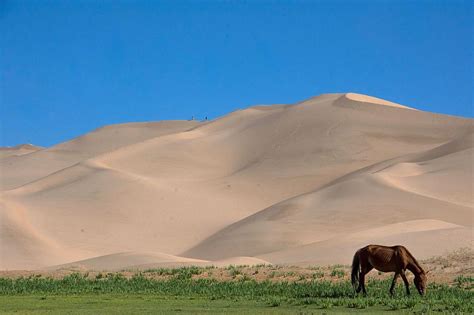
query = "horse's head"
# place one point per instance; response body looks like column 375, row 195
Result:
column 420, row 283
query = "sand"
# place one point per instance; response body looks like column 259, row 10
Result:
column 18, row 150
column 305, row 183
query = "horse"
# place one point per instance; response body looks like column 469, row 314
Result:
column 387, row 259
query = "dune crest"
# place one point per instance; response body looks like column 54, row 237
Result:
column 370, row 99
column 267, row 184
column 18, row 150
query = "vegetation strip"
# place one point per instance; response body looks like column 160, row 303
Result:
column 320, row 293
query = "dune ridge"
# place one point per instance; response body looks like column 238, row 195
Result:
column 18, row 150
column 289, row 183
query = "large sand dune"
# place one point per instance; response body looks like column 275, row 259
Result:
column 18, row 150
column 302, row 183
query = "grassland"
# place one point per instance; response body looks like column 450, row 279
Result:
column 195, row 290
column 262, row 289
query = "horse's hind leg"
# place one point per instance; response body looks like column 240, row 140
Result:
column 407, row 285
column 362, row 282
column 364, row 270
column 394, row 281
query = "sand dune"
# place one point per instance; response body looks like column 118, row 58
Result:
column 130, row 260
column 150, row 260
column 355, row 202
column 20, row 170
column 267, row 184
column 18, row 150
column 418, row 235
column 374, row 100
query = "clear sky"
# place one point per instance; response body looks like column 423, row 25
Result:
column 68, row 67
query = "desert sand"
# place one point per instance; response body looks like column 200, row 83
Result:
column 301, row 184
column 18, row 150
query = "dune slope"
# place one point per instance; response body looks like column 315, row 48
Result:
column 20, row 169
column 18, row 150
column 268, row 183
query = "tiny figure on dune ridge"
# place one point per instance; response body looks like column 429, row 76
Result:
column 387, row 259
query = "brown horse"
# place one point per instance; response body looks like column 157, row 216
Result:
column 387, row 259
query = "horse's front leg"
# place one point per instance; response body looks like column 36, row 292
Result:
column 394, row 281
column 407, row 285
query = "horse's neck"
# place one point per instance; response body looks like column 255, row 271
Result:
column 414, row 267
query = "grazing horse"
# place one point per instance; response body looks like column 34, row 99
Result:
column 387, row 259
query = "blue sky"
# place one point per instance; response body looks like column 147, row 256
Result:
column 68, row 67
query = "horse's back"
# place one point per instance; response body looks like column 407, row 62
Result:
column 374, row 248
column 399, row 248
column 382, row 258
column 387, row 258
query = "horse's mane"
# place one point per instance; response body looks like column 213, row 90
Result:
column 415, row 262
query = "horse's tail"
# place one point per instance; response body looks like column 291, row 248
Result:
column 355, row 269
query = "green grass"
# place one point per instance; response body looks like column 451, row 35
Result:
column 465, row 282
column 151, row 304
column 234, row 271
column 338, row 273
column 114, row 293
column 317, row 274
column 181, row 273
